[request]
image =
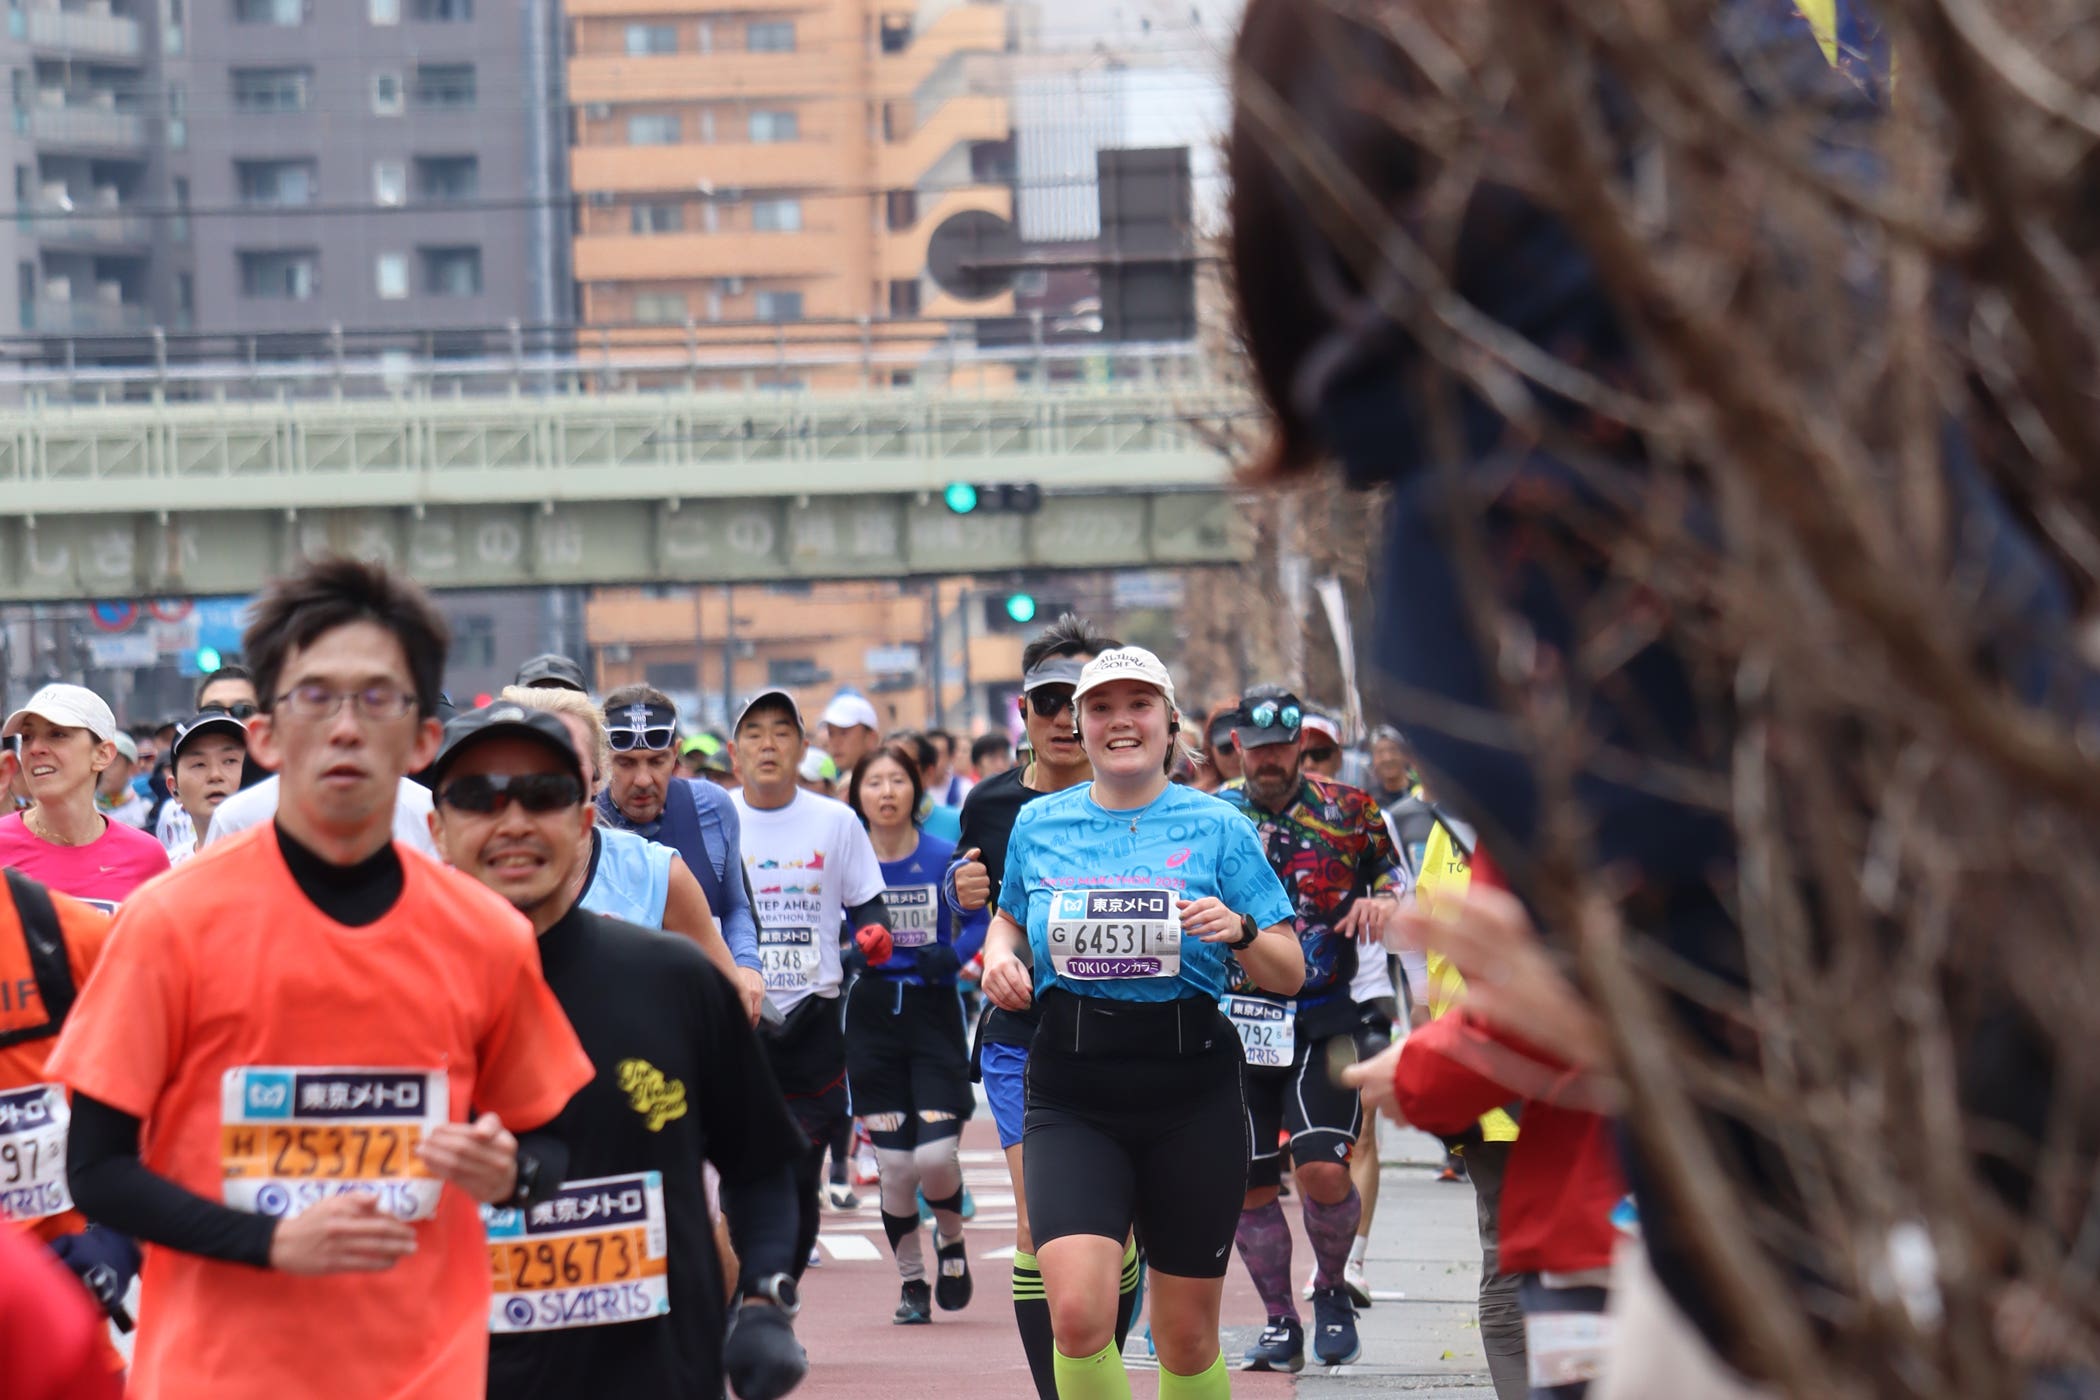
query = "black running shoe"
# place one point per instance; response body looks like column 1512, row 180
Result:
column 916, row 1306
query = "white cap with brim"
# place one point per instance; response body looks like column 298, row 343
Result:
column 69, row 707
column 1320, row 724
column 771, row 697
column 846, row 711
column 1126, row 664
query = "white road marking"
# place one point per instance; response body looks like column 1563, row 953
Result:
column 846, row 1248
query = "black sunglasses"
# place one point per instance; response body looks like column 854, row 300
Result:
column 628, row 740
column 1322, row 754
column 239, row 709
column 1050, row 701
column 537, row 793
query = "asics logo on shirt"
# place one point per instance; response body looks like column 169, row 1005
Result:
column 649, row 1093
column 1179, row 858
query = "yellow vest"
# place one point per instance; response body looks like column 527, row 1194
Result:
column 1440, row 885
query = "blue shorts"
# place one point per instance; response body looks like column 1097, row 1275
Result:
column 1004, row 1070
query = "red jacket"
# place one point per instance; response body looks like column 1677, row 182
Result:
column 1563, row 1177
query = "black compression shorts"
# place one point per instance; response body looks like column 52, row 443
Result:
column 807, row 1054
column 1157, row 1141
column 1322, row 1117
column 1374, row 1026
column 905, row 1051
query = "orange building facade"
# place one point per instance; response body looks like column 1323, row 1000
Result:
column 754, row 173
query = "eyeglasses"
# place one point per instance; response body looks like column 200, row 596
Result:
column 628, row 740
column 239, row 709
column 537, row 793
column 1323, row 754
column 1050, row 701
column 318, row 702
column 1270, row 714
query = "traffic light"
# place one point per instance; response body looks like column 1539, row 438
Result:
column 1020, row 607
column 1011, row 498
column 208, row 660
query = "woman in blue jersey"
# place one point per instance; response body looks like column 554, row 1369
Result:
column 906, row 1062
column 1131, row 893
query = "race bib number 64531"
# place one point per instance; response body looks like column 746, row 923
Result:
column 292, row 1136
column 1099, row 935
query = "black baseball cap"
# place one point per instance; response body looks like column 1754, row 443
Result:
column 1268, row 714
column 209, row 722
column 500, row 720
column 554, row 670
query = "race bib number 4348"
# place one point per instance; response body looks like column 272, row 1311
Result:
column 292, row 1136
column 594, row 1253
column 789, row 958
column 1101, row 935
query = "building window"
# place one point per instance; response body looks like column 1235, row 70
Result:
column 660, row 308
column 444, row 85
column 474, row 641
column 707, row 126
column 896, row 33
column 178, row 116
column 442, row 11
column 794, row 670
column 656, row 218
column 704, row 36
column 776, row 215
column 901, row 209
column 652, row 38
column 670, row 675
column 386, row 11
column 25, row 293
column 778, row 306
column 770, row 36
column 389, row 184
column 185, row 296
column 904, row 296
column 275, row 181
column 280, row 274
column 653, row 129
column 271, row 89
column 181, row 229
column 391, row 273
column 451, row 272
column 773, row 126
column 440, row 178
column 386, row 94
column 282, row 12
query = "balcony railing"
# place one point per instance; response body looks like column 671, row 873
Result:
column 91, row 317
column 106, row 227
column 83, row 125
column 103, row 36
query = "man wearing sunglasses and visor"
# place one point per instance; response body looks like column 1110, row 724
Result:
column 645, row 794
column 678, row 1080
column 1328, row 844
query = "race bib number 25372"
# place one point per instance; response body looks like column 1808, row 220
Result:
column 292, row 1136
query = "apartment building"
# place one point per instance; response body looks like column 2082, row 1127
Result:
column 782, row 162
column 370, row 164
column 83, row 146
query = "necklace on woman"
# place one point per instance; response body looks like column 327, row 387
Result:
column 34, row 819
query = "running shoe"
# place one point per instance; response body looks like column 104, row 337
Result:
column 915, row 1307
column 1335, row 1342
column 1355, row 1284
column 1281, row 1347
column 1450, row 1173
column 953, row 1290
column 840, row 1195
column 816, row 1256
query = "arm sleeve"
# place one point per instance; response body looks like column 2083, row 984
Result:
column 113, row 1187
column 868, row 911
column 531, row 1063
column 739, row 924
column 969, row 932
column 762, row 1213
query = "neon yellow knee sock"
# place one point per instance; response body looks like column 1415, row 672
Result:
column 1097, row 1377
column 1212, row 1383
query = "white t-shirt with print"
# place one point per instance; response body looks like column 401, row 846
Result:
column 809, row 862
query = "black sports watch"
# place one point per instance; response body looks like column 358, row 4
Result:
column 777, row 1289
column 528, row 1179
column 1249, row 931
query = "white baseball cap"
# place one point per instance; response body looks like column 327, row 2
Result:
column 69, row 706
column 1126, row 664
column 1324, row 725
column 846, row 710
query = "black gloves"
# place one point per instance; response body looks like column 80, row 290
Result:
column 761, row 1356
column 936, row 963
column 105, row 1263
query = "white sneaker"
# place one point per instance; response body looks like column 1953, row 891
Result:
column 1355, row 1284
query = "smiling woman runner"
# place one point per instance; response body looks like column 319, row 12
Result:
column 906, row 1062
column 1131, row 892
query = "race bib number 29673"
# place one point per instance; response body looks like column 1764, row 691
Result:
column 596, row 1252
column 292, row 1136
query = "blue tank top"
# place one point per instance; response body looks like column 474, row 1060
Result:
column 919, row 914
column 632, row 880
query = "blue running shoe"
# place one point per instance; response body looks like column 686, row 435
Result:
column 1335, row 1341
column 1281, row 1347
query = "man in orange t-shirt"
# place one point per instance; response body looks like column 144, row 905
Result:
column 328, row 1045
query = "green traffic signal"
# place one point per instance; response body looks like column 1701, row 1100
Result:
column 1021, row 607
column 208, row 660
column 961, row 497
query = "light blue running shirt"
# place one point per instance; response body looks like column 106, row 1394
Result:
column 1097, row 898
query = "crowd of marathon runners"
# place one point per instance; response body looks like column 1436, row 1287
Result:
column 549, row 1015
